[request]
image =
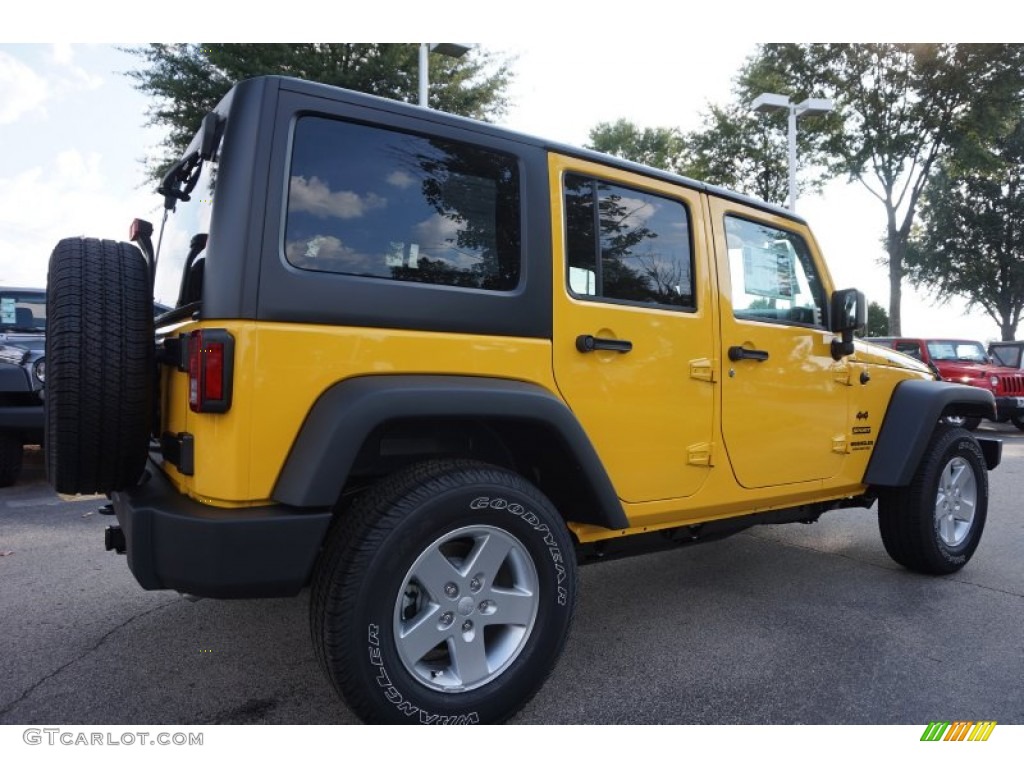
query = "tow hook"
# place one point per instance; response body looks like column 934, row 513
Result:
column 113, row 539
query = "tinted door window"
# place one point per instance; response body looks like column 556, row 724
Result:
column 627, row 245
column 773, row 275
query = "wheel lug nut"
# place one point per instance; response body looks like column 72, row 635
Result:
column 467, row 626
column 475, row 584
column 446, row 619
column 451, row 590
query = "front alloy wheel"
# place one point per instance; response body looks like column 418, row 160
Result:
column 956, row 501
column 934, row 524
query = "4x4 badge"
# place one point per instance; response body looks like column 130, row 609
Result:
column 862, row 415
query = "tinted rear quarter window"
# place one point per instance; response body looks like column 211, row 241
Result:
column 385, row 204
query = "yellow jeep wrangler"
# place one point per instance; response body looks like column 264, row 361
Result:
column 427, row 367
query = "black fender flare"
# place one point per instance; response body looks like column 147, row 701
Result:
column 337, row 425
column 914, row 409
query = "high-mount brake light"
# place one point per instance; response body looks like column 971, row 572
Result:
column 210, row 370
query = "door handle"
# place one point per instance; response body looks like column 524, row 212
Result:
column 742, row 353
column 587, row 343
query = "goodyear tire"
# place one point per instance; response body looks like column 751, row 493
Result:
column 100, row 368
column 934, row 524
column 444, row 595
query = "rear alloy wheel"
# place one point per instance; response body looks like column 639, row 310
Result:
column 99, row 366
column 935, row 524
column 444, row 595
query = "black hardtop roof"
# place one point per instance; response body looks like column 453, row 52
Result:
column 336, row 93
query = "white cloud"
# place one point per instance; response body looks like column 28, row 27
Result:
column 637, row 211
column 63, row 53
column 401, row 179
column 21, row 89
column 438, row 233
column 315, row 197
column 67, row 196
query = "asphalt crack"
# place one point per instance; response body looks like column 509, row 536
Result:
column 9, row 707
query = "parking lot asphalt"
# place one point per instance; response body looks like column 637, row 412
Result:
column 783, row 624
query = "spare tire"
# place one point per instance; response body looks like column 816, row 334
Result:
column 99, row 365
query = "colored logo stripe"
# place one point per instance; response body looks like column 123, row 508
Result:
column 982, row 730
column 959, row 730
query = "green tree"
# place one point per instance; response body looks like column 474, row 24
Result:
column 972, row 240
column 656, row 147
column 899, row 109
column 187, row 80
column 733, row 148
column 878, row 321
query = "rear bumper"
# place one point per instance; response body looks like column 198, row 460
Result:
column 174, row 542
column 1009, row 406
column 23, row 418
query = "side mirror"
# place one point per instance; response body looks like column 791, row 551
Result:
column 847, row 314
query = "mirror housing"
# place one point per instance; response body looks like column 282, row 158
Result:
column 848, row 313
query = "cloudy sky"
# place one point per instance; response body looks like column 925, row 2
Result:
column 72, row 132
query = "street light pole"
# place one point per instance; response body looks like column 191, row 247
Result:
column 424, row 78
column 791, row 137
column 455, row 50
column 769, row 101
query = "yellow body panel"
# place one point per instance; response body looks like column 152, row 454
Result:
column 280, row 371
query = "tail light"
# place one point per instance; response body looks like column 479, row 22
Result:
column 211, row 354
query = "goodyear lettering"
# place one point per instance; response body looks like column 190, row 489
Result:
column 528, row 517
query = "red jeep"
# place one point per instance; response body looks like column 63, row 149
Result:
column 966, row 362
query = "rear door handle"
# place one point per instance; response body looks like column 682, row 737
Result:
column 742, row 353
column 587, row 343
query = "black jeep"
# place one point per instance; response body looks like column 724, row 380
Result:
column 22, row 373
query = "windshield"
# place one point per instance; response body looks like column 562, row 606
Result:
column 22, row 311
column 1008, row 356
column 965, row 351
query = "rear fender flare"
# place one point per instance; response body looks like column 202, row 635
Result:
column 342, row 418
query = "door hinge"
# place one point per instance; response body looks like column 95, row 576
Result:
column 840, row 445
column 841, row 374
column 699, row 455
column 702, row 369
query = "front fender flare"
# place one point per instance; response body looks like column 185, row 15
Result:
column 915, row 408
